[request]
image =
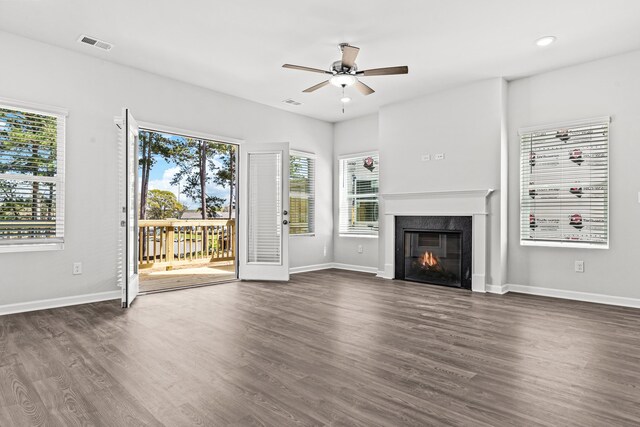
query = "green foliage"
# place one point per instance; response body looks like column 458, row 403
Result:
column 197, row 168
column 200, row 162
column 150, row 146
column 214, row 205
column 225, row 176
column 162, row 204
column 299, row 181
column 28, row 146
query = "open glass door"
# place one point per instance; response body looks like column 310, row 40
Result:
column 128, row 239
column 264, row 212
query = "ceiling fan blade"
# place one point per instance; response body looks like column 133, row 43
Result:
column 316, row 87
column 301, row 68
column 384, row 71
column 363, row 88
column 349, row 54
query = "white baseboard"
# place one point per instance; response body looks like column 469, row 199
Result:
column 351, row 267
column 383, row 274
column 314, row 267
column 478, row 283
column 44, row 304
column 574, row 295
column 497, row 289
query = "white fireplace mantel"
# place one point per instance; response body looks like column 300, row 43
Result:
column 439, row 203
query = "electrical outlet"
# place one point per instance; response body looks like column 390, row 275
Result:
column 579, row 266
column 439, row 156
column 324, row 251
column 426, row 157
column 360, row 249
column 77, row 268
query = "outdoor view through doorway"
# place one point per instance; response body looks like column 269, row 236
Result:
column 187, row 211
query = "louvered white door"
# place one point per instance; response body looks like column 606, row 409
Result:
column 128, row 238
column 264, row 212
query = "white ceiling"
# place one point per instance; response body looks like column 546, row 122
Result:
column 238, row 47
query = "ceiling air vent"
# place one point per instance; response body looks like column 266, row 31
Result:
column 292, row 102
column 92, row 41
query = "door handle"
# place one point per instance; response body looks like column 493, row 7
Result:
column 285, row 222
column 285, row 213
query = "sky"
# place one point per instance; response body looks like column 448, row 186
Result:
column 162, row 173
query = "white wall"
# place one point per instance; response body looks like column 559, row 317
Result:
column 353, row 136
column 463, row 123
column 606, row 87
column 94, row 91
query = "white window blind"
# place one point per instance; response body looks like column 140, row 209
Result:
column 265, row 208
column 31, row 177
column 301, row 193
column 359, row 195
column 564, row 184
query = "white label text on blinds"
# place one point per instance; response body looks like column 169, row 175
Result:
column 564, row 188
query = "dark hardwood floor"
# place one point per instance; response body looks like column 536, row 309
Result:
column 328, row 348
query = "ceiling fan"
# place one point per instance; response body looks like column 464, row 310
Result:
column 345, row 71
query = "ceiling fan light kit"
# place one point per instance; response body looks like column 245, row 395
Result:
column 342, row 80
column 345, row 73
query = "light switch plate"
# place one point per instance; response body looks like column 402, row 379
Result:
column 439, row 156
column 427, row 157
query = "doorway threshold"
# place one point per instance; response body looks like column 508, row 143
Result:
column 179, row 288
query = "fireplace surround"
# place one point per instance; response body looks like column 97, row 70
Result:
column 434, row 250
column 473, row 203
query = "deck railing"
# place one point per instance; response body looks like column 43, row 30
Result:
column 172, row 241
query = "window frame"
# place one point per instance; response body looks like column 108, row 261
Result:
column 61, row 115
column 312, row 212
column 603, row 120
column 344, row 197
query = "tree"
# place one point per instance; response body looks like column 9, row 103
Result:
column 214, row 204
column 226, row 175
column 152, row 144
column 163, row 204
column 30, row 141
column 194, row 158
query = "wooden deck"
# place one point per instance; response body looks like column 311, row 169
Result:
column 192, row 274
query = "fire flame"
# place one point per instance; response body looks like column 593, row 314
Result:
column 428, row 259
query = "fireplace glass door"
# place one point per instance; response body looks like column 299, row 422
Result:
column 433, row 257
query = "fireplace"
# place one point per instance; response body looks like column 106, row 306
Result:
column 434, row 250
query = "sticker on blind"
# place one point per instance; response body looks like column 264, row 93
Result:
column 564, row 173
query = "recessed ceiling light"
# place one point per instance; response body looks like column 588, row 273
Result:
column 345, row 99
column 545, row 41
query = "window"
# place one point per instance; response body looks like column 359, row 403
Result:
column 31, row 178
column 302, row 193
column 359, row 195
column 564, row 184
